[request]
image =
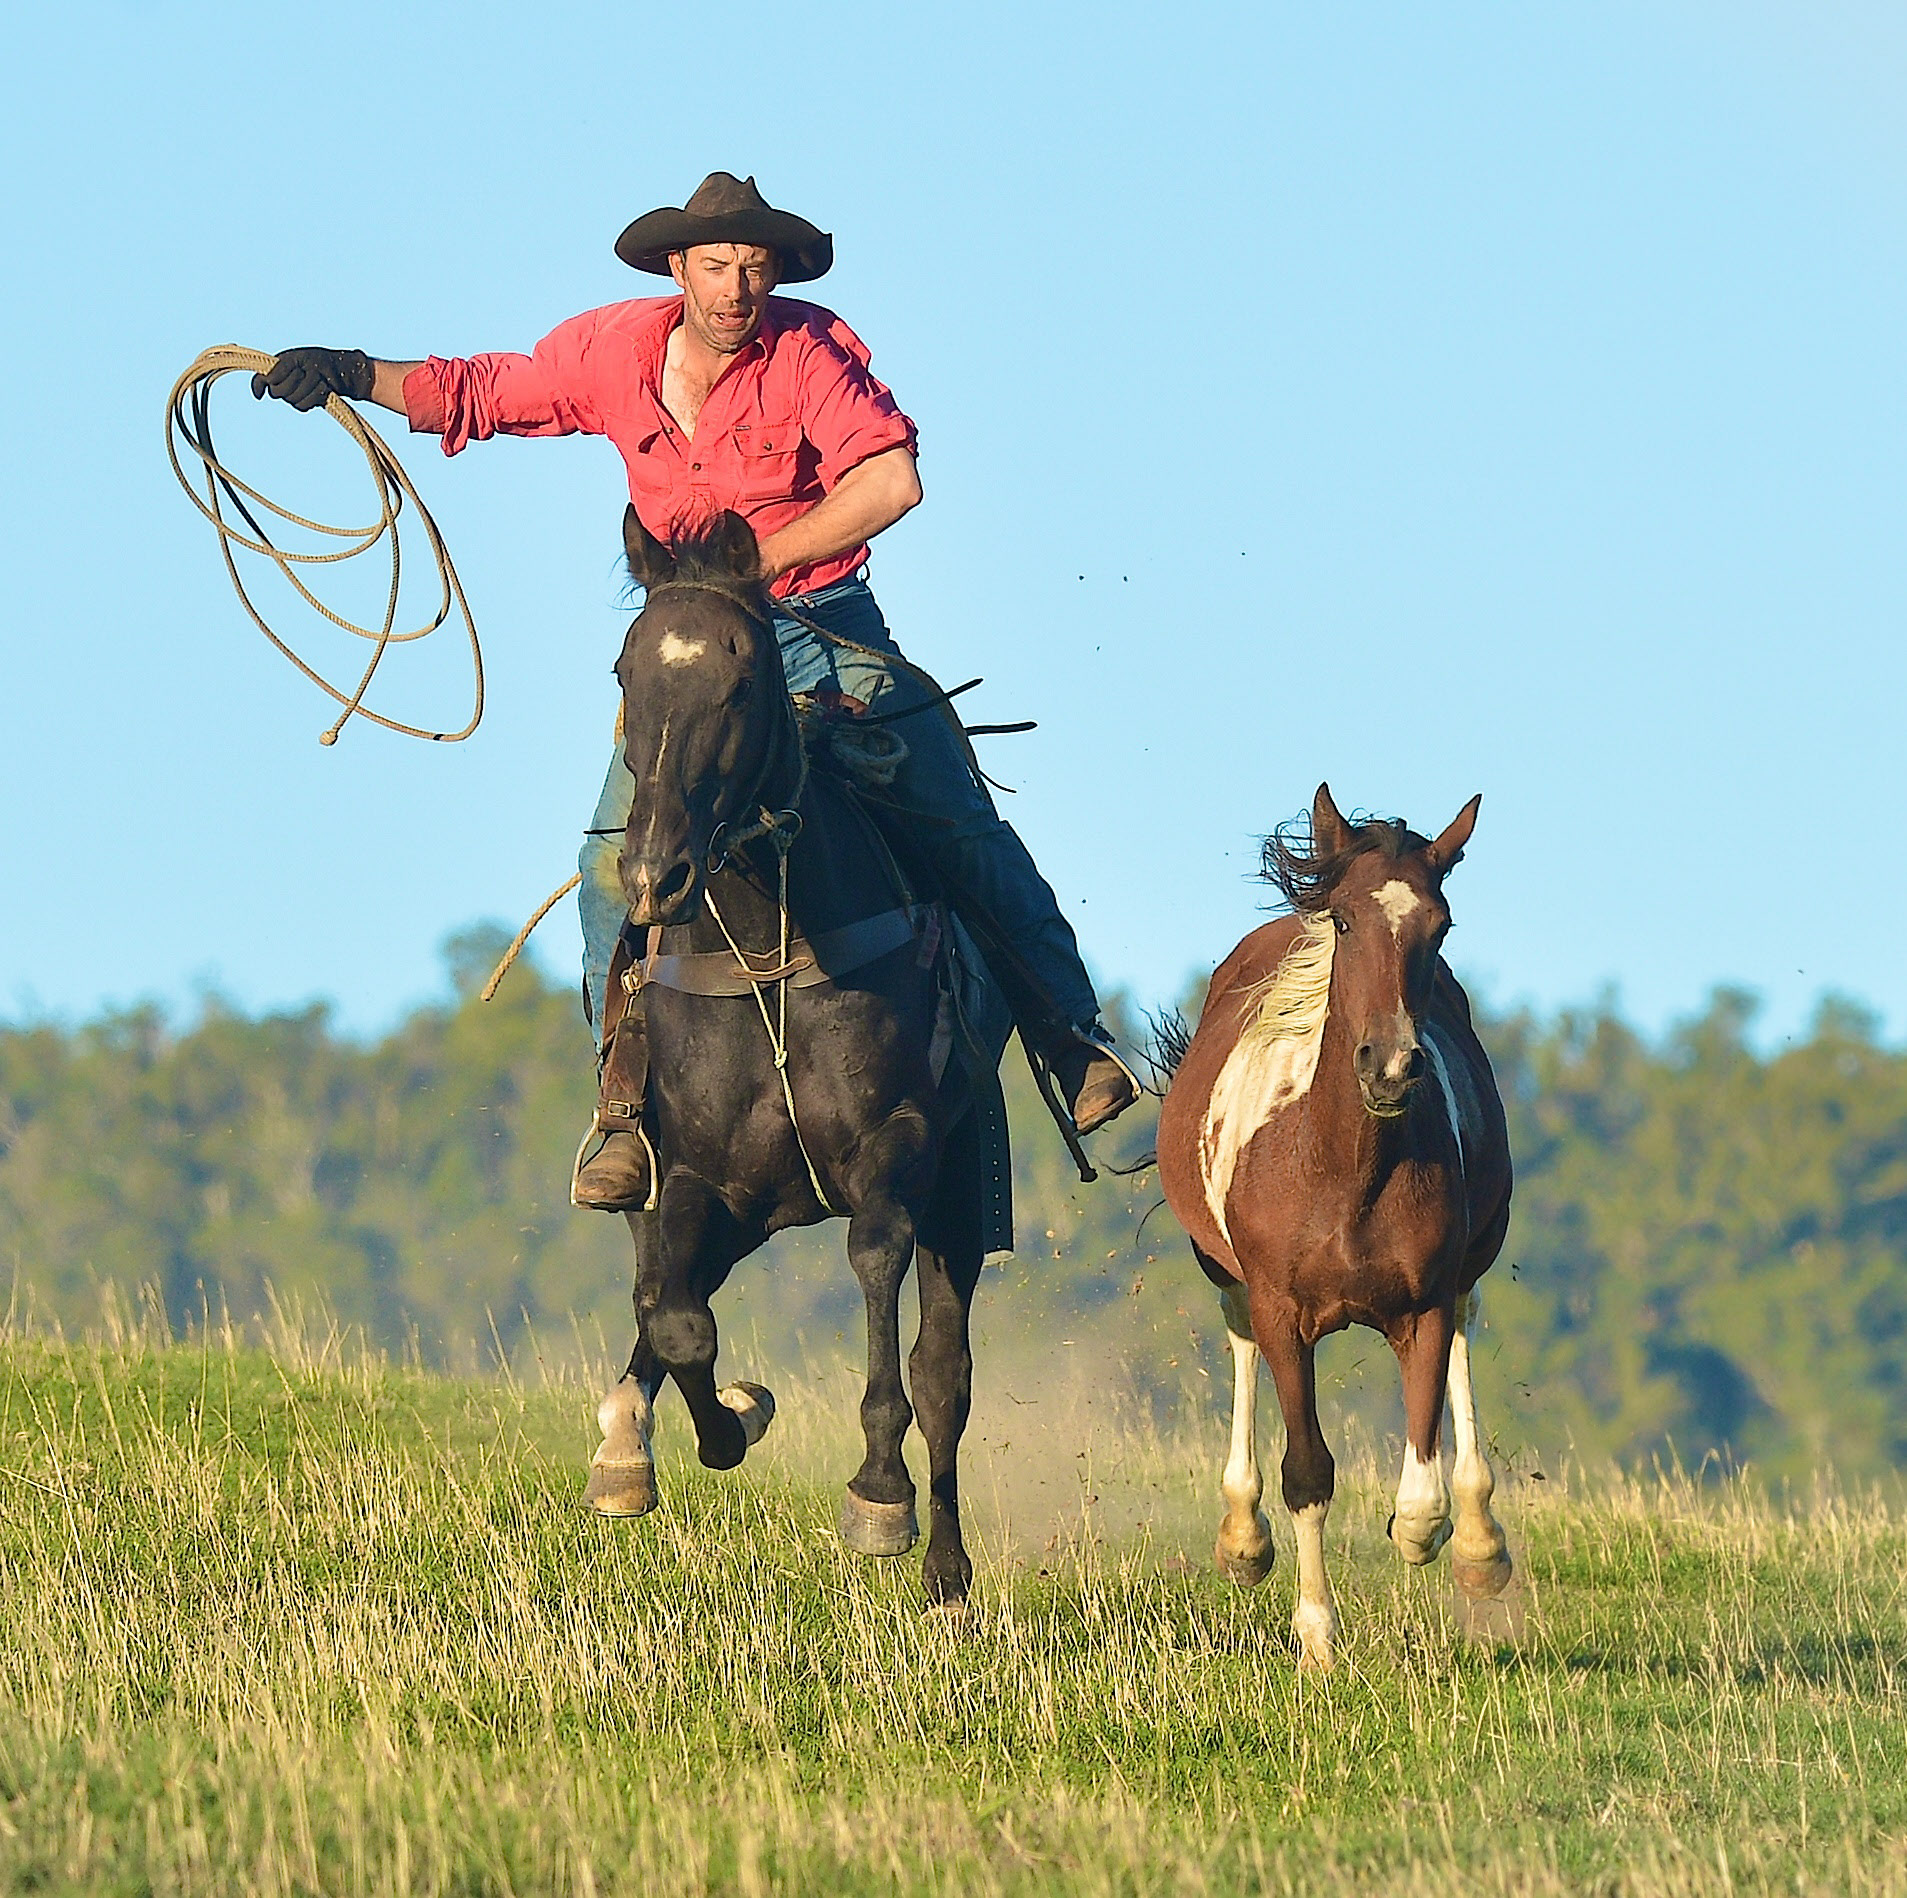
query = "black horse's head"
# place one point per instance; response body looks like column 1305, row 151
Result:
column 707, row 730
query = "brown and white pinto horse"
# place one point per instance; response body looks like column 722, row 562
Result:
column 1334, row 1144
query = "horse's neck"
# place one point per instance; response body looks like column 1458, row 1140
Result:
column 833, row 878
column 1341, row 1139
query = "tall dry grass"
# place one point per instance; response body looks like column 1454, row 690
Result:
column 278, row 1615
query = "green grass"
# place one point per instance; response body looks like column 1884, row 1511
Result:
column 288, row 1619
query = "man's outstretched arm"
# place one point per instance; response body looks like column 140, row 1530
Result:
column 870, row 497
column 307, row 377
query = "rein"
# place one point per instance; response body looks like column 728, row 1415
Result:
column 781, row 829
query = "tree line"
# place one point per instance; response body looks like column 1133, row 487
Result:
column 1708, row 1258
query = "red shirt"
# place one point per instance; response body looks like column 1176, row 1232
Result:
column 789, row 416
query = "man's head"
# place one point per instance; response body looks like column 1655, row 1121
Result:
column 724, row 292
column 726, row 210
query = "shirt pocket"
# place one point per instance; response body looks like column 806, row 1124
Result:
column 767, row 460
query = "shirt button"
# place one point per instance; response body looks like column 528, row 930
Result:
column 697, row 466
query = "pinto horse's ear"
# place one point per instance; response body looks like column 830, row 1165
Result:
column 1445, row 853
column 1329, row 832
column 732, row 546
column 650, row 563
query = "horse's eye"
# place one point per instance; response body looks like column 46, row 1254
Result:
column 1340, row 923
column 738, row 693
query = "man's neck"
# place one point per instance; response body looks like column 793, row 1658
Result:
column 690, row 369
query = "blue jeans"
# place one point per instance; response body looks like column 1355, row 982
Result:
column 979, row 856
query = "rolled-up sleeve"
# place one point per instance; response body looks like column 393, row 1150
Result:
column 847, row 412
column 470, row 398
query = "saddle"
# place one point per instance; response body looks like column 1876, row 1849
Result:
column 972, row 1019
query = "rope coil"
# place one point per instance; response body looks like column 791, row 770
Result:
column 189, row 423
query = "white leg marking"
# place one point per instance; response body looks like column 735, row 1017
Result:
column 677, row 651
column 1244, row 1550
column 622, row 1480
column 1314, row 1620
column 1479, row 1553
column 1421, row 1524
column 1397, row 901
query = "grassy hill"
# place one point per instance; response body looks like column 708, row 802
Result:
column 292, row 1620
column 1708, row 1260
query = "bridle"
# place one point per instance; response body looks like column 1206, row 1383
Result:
column 782, row 829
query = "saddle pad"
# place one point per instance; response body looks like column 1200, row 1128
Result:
column 836, row 952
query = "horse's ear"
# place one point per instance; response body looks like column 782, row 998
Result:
column 650, row 563
column 732, row 546
column 1329, row 832
column 1448, row 849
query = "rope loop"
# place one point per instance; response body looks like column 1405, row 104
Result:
column 189, row 424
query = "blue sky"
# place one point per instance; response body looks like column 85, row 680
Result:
column 1435, row 400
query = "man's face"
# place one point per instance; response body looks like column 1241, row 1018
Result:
column 724, row 291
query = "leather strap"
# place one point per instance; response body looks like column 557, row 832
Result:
column 836, row 952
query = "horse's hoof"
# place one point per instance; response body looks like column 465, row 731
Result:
column 950, row 1615
column 621, row 1489
column 1481, row 1581
column 1418, row 1550
column 1246, row 1567
column 877, row 1528
column 754, row 1404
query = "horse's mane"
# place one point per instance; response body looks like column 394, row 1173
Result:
column 712, row 554
column 1289, row 1004
column 1305, row 874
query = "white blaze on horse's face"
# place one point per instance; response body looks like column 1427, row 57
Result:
column 677, row 651
column 1397, row 900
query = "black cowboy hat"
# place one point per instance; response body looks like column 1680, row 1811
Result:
column 727, row 210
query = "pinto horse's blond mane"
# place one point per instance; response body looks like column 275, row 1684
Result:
column 1290, row 1003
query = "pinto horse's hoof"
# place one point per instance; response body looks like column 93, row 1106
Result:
column 877, row 1528
column 621, row 1489
column 1418, row 1549
column 1246, row 1567
column 1481, row 1581
column 754, row 1404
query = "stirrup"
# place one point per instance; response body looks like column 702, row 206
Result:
column 602, row 1135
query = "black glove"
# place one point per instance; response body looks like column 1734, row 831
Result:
column 306, row 377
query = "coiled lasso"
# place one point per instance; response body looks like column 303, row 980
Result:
column 189, row 423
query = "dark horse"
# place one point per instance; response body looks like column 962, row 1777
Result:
column 780, row 1098
column 1334, row 1144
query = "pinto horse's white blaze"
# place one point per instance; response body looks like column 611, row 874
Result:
column 1244, row 1538
column 1273, row 1061
column 1479, row 1551
column 674, row 650
column 1398, row 901
column 1420, row 1525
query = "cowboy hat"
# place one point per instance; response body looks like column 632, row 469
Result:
column 727, row 210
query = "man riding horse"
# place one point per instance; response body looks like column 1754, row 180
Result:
column 728, row 397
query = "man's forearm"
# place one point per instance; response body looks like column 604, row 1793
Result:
column 387, row 382
column 866, row 501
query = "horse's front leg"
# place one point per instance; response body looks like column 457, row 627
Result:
column 1479, row 1551
column 699, row 1239
column 1420, row 1524
column 622, row 1474
column 1309, row 1474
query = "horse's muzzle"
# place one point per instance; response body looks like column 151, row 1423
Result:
column 1386, row 1080
column 660, row 896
